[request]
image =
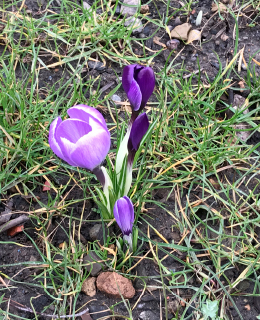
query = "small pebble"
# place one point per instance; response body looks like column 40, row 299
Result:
column 134, row 23
column 86, row 6
column 217, row 42
column 116, row 98
column 183, row 57
column 118, row 80
column 172, row 44
column 214, row 64
column 244, row 67
column 118, row 8
column 146, row 30
column 177, row 22
column 142, row 35
column 97, row 65
column 50, row 78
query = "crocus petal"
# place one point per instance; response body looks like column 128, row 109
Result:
column 124, row 214
column 146, row 81
column 67, row 147
column 128, row 77
column 52, row 138
column 82, row 112
column 73, row 130
column 131, row 87
column 91, row 149
column 139, row 129
column 134, row 95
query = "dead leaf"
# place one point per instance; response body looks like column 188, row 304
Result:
column 181, row 32
column 168, row 31
column 47, row 186
column 247, row 307
column 220, row 6
column 215, row 183
column 156, row 40
column 193, row 36
column 255, row 61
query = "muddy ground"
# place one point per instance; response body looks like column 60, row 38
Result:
column 24, row 286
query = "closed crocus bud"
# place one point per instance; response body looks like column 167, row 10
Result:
column 138, row 83
column 139, row 129
column 124, row 215
column 83, row 140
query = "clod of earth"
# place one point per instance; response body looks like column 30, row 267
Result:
column 89, row 287
column 181, row 32
column 94, row 232
column 172, row 44
column 93, row 263
column 144, row 9
column 130, row 11
column 116, row 285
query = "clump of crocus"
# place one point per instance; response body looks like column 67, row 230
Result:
column 138, row 83
column 124, row 215
column 83, row 140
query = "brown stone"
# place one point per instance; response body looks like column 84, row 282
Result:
column 116, row 285
column 181, row 32
column 89, row 287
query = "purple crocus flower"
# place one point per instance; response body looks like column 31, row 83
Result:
column 138, row 83
column 138, row 130
column 83, row 140
column 124, row 215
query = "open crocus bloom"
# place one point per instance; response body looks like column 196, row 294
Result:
column 138, row 83
column 124, row 215
column 83, row 140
